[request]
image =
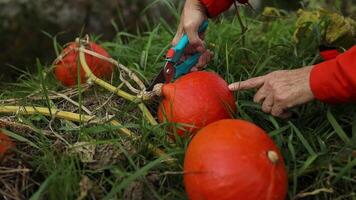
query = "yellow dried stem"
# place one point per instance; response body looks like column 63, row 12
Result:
column 28, row 110
column 102, row 83
column 111, row 88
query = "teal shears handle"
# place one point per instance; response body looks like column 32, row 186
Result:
column 187, row 65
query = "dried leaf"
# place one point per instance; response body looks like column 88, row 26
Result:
column 84, row 150
column 338, row 30
column 109, row 154
column 85, row 185
column 271, row 12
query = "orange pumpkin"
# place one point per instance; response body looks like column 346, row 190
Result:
column 231, row 160
column 196, row 100
column 5, row 144
column 66, row 67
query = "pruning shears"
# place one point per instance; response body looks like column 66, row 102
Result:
column 174, row 67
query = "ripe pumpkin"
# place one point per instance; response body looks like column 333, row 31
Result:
column 66, row 67
column 5, row 144
column 196, row 100
column 231, row 160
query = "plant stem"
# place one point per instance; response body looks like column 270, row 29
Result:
column 111, row 88
column 28, row 110
column 102, row 83
column 244, row 29
column 147, row 114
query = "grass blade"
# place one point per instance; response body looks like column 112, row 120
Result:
column 132, row 177
column 346, row 169
column 37, row 195
column 340, row 132
column 302, row 139
column 307, row 163
column 19, row 138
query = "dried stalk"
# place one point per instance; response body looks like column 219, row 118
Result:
column 27, row 110
column 111, row 88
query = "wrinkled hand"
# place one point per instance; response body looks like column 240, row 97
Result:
column 279, row 90
column 192, row 17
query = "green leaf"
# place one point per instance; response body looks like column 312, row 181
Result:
column 302, row 139
column 340, row 132
column 307, row 164
column 278, row 131
column 37, row 195
column 139, row 173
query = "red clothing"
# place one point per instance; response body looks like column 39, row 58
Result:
column 215, row 7
column 333, row 81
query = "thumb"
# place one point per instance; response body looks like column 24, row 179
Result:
column 179, row 32
column 248, row 84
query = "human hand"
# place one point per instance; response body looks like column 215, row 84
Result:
column 192, row 17
column 280, row 90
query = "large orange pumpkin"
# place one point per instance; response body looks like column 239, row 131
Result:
column 5, row 144
column 233, row 160
column 196, row 100
column 66, row 67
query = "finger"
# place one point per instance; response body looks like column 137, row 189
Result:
column 267, row 104
column 190, row 50
column 260, row 95
column 194, row 69
column 248, row 84
column 203, row 60
column 285, row 115
column 210, row 55
column 277, row 111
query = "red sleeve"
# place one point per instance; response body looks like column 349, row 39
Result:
column 215, row 7
column 334, row 81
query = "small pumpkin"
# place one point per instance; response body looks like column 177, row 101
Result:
column 196, row 100
column 234, row 159
column 5, row 144
column 66, row 67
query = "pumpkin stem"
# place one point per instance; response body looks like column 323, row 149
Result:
column 157, row 89
column 273, row 156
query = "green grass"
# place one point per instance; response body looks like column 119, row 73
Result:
column 318, row 142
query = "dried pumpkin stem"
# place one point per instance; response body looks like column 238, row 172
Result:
column 111, row 88
column 28, row 110
column 102, row 83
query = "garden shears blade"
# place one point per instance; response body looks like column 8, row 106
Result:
column 173, row 67
column 164, row 76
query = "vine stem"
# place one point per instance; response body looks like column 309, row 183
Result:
column 28, row 110
column 91, row 77
column 244, row 29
